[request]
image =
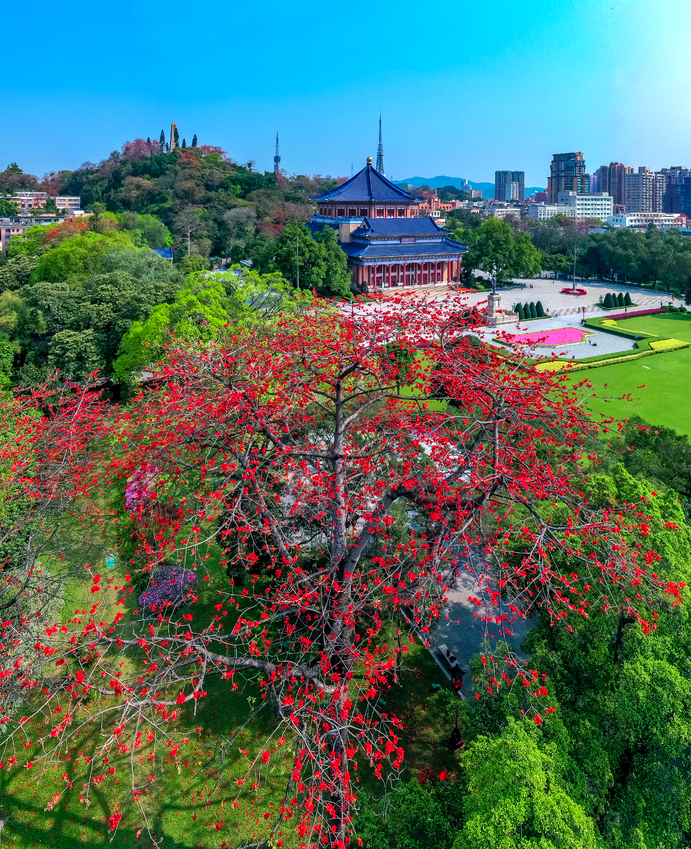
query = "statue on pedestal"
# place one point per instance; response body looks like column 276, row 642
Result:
column 498, row 316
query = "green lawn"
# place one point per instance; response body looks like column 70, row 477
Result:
column 659, row 386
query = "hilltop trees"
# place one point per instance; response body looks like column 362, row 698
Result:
column 144, row 178
column 292, row 457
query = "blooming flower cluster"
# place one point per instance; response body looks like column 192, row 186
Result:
column 553, row 338
column 170, row 587
column 139, row 487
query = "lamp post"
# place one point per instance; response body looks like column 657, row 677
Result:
column 575, row 248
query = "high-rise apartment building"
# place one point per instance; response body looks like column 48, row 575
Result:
column 612, row 179
column 659, row 189
column 677, row 197
column 639, row 191
column 567, row 174
column 645, row 191
column 509, row 185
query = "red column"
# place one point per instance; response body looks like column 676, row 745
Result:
column 405, row 273
column 436, row 271
column 389, row 277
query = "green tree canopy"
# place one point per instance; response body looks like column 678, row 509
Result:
column 517, row 798
column 497, row 250
column 204, row 306
column 323, row 266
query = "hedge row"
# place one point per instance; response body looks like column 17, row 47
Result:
column 611, row 359
column 608, row 360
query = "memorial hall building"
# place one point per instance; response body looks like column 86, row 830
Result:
column 386, row 244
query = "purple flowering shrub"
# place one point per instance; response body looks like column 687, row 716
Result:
column 169, row 588
column 139, row 487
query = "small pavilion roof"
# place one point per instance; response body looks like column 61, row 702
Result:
column 367, row 185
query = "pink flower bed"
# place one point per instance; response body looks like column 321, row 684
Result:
column 552, row 338
column 571, row 291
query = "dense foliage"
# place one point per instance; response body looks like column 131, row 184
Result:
column 235, row 206
column 316, row 461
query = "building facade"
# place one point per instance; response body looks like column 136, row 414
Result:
column 387, row 245
column 27, row 201
column 645, row 191
column 612, row 180
column 509, row 185
column 677, row 197
column 574, row 206
column 567, row 174
column 642, row 220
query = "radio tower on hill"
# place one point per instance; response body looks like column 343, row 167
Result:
column 380, row 152
column 277, row 159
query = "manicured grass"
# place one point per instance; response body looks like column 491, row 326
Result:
column 660, row 386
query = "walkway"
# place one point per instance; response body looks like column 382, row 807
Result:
column 464, row 631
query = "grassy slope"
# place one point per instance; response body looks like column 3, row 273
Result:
column 181, row 809
column 659, row 386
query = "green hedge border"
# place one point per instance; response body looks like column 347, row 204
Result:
column 612, row 359
column 643, row 345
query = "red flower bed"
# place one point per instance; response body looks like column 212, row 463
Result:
column 571, row 291
column 638, row 312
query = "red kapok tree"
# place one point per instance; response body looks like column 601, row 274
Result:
column 354, row 456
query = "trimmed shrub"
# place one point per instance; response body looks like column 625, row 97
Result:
column 521, row 312
column 683, row 309
column 609, row 303
column 533, row 310
column 672, row 308
column 540, row 309
column 627, row 300
column 668, row 344
column 620, row 299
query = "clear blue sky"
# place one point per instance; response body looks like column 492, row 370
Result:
column 465, row 88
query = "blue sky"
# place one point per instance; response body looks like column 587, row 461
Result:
column 464, row 88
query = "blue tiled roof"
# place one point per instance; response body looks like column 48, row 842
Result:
column 166, row 253
column 399, row 227
column 367, row 185
column 412, row 251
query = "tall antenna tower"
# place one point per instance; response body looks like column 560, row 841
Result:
column 277, row 159
column 380, row 152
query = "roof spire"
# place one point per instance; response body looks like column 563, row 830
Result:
column 380, row 152
column 277, row 159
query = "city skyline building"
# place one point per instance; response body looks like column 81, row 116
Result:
column 567, row 174
column 639, row 191
column 573, row 205
column 612, row 179
column 645, row 190
column 509, row 185
column 677, row 197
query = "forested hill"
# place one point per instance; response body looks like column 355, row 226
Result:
column 211, row 203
